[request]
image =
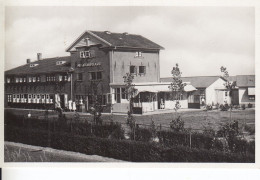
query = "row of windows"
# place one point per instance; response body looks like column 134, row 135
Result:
column 30, row 98
column 83, row 99
column 92, row 76
column 141, row 69
column 49, row 78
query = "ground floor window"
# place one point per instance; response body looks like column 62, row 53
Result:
column 9, row 98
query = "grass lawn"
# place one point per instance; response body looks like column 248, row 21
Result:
column 22, row 154
column 192, row 119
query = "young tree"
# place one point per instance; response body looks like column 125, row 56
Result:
column 97, row 107
column 177, row 88
column 130, row 92
column 230, row 86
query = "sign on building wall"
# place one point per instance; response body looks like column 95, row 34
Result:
column 92, row 64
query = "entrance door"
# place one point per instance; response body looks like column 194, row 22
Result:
column 235, row 99
column 161, row 100
column 62, row 101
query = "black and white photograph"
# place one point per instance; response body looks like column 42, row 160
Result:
column 121, row 84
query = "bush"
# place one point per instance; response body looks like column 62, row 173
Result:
column 250, row 129
column 249, row 105
column 113, row 130
column 243, row 107
column 120, row 149
column 169, row 139
column 224, row 107
column 177, row 124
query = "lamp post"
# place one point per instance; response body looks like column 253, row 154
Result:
column 70, row 72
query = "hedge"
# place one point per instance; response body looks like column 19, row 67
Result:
column 66, row 125
column 120, row 149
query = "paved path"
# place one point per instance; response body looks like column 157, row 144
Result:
column 27, row 153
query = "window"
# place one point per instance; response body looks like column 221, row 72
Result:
column 117, row 95
column 33, row 79
column 25, row 98
column 8, row 80
column 96, row 75
column 60, row 78
column 33, row 65
column 38, row 79
column 142, row 69
column 9, row 98
column 132, row 70
column 79, row 77
column 87, row 54
column 124, row 93
column 30, row 79
column 24, row 79
column 251, row 97
column 16, row 80
column 99, row 75
column 93, row 76
column 226, row 93
column 138, row 54
column 50, row 78
column 21, row 80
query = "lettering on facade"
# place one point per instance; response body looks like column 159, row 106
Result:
column 89, row 64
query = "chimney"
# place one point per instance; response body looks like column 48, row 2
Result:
column 39, row 56
column 28, row 61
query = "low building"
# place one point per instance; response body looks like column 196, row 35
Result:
column 246, row 88
column 209, row 90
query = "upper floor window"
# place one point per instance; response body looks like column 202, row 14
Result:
column 87, row 54
column 33, row 65
column 8, row 80
column 133, row 70
column 138, row 54
column 79, row 77
column 142, row 69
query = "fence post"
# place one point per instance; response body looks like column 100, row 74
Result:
column 190, row 138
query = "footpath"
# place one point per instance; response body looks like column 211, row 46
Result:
column 18, row 152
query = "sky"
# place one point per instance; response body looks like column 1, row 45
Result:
column 199, row 39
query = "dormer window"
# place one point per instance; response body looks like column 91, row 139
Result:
column 138, row 54
column 60, row 62
column 33, row 65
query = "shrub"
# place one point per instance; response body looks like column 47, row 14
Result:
column 250, row 129
column 249, row 105
column 141, row 134
column 243, row 106
column 177, row 124
column 120, row 149
column 224, row 107
column 169, row 139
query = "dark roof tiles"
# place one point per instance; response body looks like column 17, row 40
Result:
column 44, row 66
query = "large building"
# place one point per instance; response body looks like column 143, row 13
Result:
column 94, row 72
column 96, row 66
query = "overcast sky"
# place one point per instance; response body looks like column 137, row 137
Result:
column 200, row 39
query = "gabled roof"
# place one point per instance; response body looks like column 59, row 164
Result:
column 44, row 66
column 121, row 40
column 196, row 81
column 245, row 80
